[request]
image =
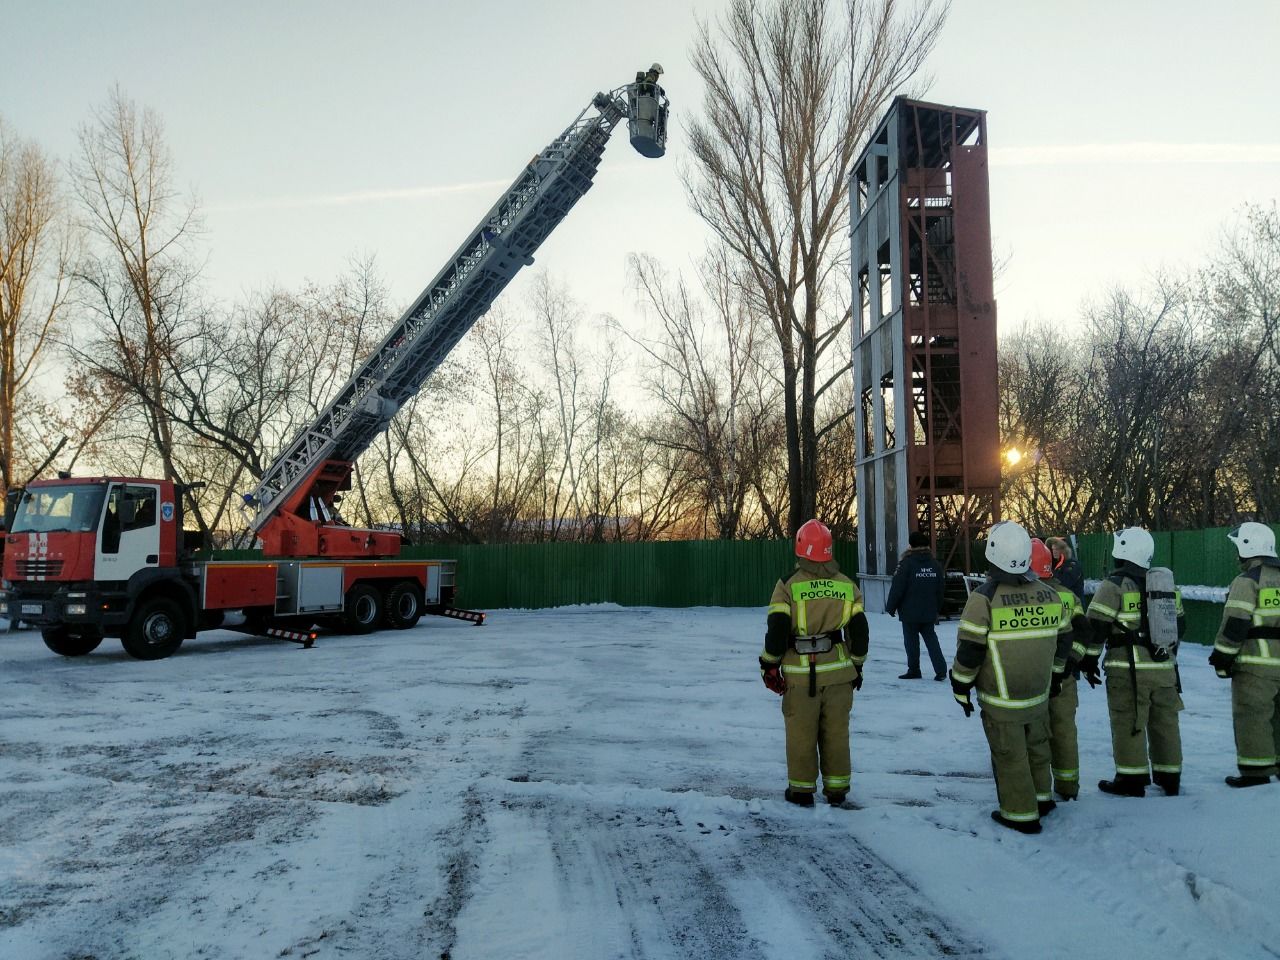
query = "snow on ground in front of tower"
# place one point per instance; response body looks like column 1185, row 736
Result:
column 582, row 783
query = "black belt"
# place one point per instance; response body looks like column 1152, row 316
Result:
column 833, row 636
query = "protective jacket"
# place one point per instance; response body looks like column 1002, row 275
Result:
column 1117, row 619
column 1013, row 637
column 1250, row 629
column 1073, row 613
column 918, row 584
column 816, row 601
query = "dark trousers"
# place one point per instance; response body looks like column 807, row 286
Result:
column 911, row 634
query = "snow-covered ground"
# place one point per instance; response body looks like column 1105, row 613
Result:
column 588, row 784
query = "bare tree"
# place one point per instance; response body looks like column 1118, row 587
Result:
column 35, row 253
column 708, row 375
column 793, row 91
column 138, row 279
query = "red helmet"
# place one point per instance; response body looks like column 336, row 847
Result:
column 813, row 542
column 1041, row 559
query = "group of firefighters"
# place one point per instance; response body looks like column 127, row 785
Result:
column 1023, row 642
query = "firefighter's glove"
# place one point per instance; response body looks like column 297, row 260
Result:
column 1055, row 685
column 857, row 684
column 1089, row 669
column 961, row 692
column 771, row 674
column 1222, row 663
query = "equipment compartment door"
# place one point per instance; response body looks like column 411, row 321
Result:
column 319, row 588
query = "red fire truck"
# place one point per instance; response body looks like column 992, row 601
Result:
column 88, row 558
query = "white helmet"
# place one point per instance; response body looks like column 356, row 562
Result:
column 1009, row 549
column 1253, row 540
column 656, row 68
column 1135, row 545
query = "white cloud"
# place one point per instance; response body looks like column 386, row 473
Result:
column 357, row 196
column 1135, row 153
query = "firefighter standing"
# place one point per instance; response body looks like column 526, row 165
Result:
column 1013, row 645
column 1247, row 650
column 1064, row 746
column 1143, row 688
column 813, row 654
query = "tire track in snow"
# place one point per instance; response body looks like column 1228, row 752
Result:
column 684, row 875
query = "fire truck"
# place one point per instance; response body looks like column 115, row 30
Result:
column 96, row 557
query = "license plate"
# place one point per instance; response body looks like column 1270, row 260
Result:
column 32, row 608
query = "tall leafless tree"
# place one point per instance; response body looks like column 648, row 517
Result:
column 138, row 280
column 35, row 254
column 793, row 89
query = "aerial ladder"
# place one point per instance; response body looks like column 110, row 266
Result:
column 96, row 557
column 294, row 499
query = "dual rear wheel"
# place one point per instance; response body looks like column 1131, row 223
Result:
column 367, row 608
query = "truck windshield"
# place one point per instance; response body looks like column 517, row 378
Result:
column 71, row 509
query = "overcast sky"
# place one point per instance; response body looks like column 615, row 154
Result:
column 1124, row 134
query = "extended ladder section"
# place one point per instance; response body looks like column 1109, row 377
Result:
column 502, row 243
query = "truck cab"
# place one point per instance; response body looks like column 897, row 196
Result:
column 79, row 551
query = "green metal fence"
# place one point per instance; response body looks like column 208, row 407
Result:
column 686, row 573
column 741, row 573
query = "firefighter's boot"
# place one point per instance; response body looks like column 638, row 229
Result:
column 1046, row 807
column 1124, row 785
column 1245, row 780
column 1170, row 783
column 1022, row 826
column 798, row 797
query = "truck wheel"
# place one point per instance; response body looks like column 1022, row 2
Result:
column 404, row 605
column 67, row 644
column 156, row 630
column 362, row 610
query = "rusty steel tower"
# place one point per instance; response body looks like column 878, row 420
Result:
column 924, row 339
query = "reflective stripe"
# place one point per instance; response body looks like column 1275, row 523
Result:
column 1260, row 661
column 1255, row 761
column 1094, row 651
column 838, row 783
column 1078, row 649
column 1101, row 608
column 993, row 657
column 1142, row 665
column 1044, row 797
column 820, row 668
column 1019, row 817
column 1240, row 605
column 973, row 628
column 1264, row 648
column 1065, row 774
column 1024, row 634
column 846, row 612
column 961, row 699
column 769, row 658
column 856, row 609
column 803, row 784
column 780, row 608
column 1012, row 704
column 1134, row 771
column 1224, row 649
column 963, row 675
column 1167, row 767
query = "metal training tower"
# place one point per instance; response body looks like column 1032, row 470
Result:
column 924, row 339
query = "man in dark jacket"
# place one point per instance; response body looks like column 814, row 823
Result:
column 916, row 598
column 1066, row 568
